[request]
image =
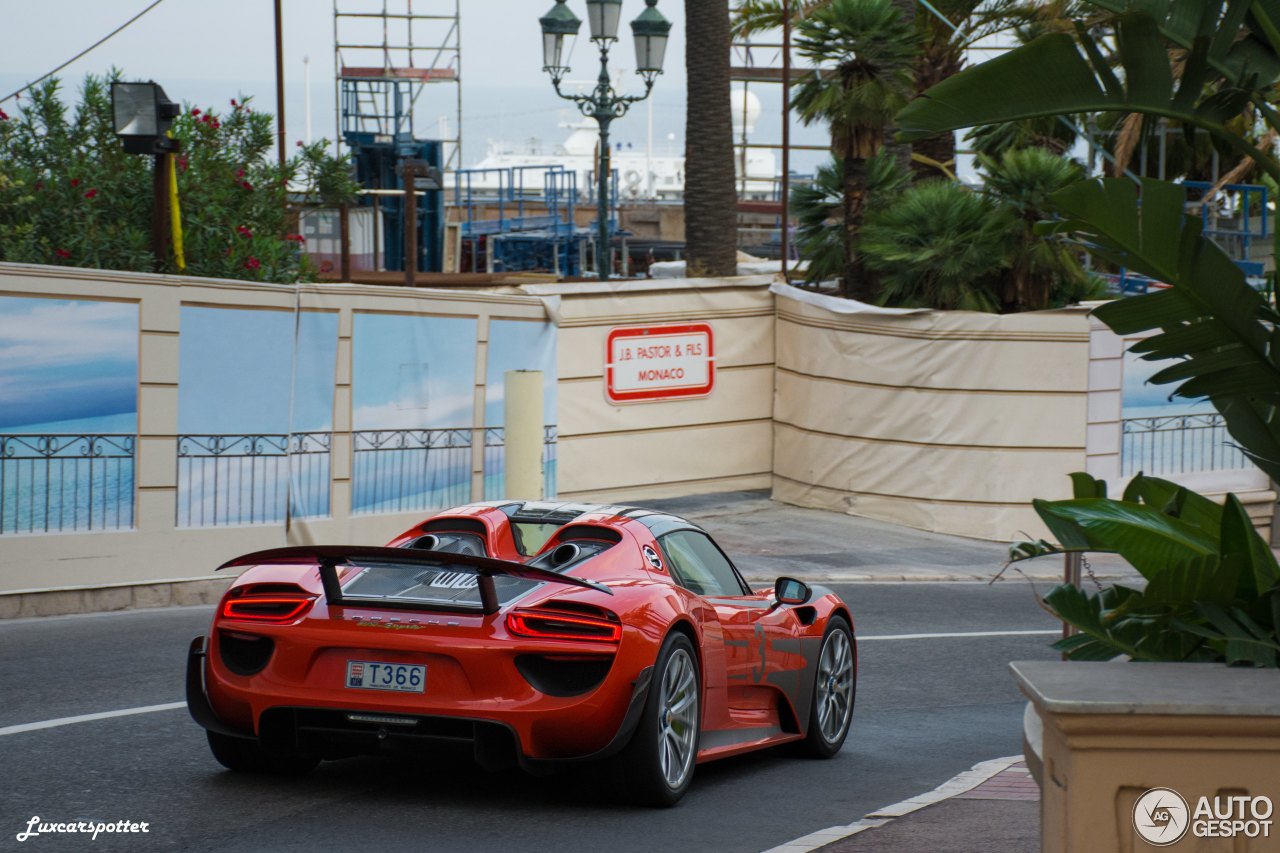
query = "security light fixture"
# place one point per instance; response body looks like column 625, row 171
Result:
column 141, row 115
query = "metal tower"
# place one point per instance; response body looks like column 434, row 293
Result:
column 399, row 71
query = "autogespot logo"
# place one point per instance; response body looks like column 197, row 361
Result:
column 1160, row 817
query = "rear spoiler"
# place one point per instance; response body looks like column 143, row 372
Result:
column 329, row 557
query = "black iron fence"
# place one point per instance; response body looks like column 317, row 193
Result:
column 410, row 470
column 1178, row 444
column 246, row 479
column 495, row 468
column 61, row 482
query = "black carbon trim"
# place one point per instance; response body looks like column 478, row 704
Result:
column 197, row 700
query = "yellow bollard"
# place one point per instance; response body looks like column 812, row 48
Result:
column 522, row 434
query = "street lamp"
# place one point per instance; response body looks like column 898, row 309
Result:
column 650, row 31
column 141, row 115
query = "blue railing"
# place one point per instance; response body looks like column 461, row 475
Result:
column 410, row 470
column 1178, row 444
column 56, row 483
column 252, row 479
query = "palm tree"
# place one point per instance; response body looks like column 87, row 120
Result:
column 1043, row 269
column 862, row 51
column 710, row 198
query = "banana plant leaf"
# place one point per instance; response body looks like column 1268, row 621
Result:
column 1149, row 540
column 1222, row 331
column 1177, row 501
column 1059, row 74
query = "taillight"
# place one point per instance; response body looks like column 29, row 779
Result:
column 266, row 608
column 550, row 625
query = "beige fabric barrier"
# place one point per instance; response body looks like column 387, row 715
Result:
column 664, row 448
column 949, row 422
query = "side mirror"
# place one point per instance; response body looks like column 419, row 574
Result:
column 791, row 591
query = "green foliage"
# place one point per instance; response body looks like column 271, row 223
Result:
column 1043, row 270
column 1213, row 584
column 865, row 52
column 70, row 195
column 1230, row 64
column 939, row 246
column 817, row 207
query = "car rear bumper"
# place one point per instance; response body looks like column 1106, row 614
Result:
column 333, row 726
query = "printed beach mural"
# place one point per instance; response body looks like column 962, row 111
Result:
column 1164, row 436
column 68, row 414
column 255, row 412
column 413, row 386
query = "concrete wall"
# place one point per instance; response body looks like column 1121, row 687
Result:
column 660, row 449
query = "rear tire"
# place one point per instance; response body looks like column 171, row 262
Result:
column 249, row 756
column 656, row 767
column 834, row 689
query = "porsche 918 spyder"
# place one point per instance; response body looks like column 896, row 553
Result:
column 538, row 633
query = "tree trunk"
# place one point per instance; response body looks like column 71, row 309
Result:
column 901, row 150
column 937, row 62
column 710, row 198
column 857, row 283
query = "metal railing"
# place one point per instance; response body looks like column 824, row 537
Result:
column 62, row 482
column 409, row 470
column 494, row 461
column 1178, row 444
column 245, row 479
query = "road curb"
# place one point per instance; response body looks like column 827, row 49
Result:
column 959, row 784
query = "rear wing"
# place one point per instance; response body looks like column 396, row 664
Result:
column 330, row 557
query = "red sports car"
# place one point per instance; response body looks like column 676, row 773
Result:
column 539, row 633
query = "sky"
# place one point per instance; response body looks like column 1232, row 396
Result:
column 206, row 53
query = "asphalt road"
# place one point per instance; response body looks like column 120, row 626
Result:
column 926, row 710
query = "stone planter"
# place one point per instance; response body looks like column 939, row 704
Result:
column 1113, row 732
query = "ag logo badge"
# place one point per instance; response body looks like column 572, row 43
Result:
column 653, row 558
column 1161, row 817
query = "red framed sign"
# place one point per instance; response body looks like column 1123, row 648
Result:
column 648, row 363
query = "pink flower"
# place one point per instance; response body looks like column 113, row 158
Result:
column 297, row 238
column 195, row 111
column 4, row 116
column 215, row 124
column 247, row 185
column 299, row 143
column 62, row 253
column 233, row 103
column 243, row 231
column 93, row 191
column 75, row 182
column 252, row 263
column 183, row 163
column 239, row 174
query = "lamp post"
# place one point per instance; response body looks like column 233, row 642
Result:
column 141, row 116
column 650, row 31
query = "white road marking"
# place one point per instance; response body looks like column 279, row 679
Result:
column 88, row 718
column 1056, row 632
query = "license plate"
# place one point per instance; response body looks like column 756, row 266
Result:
column 375, row 675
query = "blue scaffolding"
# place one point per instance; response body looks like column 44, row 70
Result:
column 534, row 229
